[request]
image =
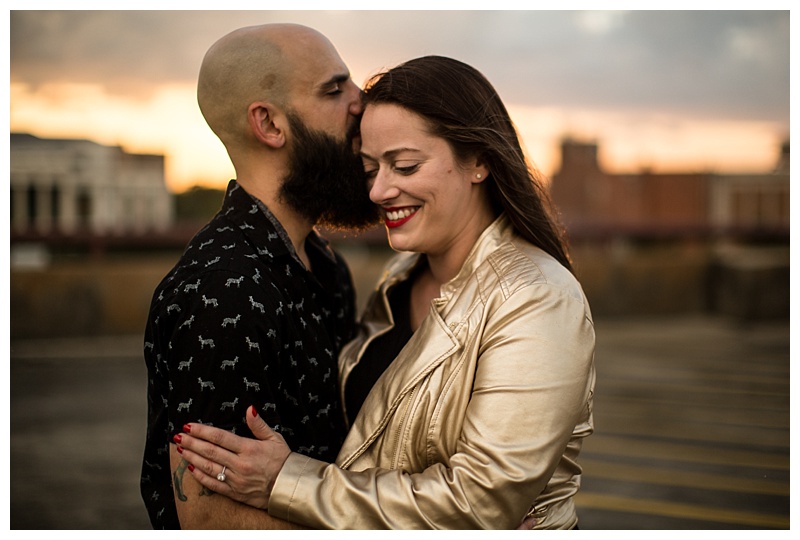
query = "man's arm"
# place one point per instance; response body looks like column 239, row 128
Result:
column 201, row 508
column 208, row 344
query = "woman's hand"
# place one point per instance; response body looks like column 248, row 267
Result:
column 250, row 466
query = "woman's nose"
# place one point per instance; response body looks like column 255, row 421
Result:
column 382, row 190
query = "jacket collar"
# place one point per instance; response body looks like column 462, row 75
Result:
column 499, row 232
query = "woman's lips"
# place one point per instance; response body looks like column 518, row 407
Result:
column 396, row 216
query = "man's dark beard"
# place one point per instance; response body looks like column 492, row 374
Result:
column 326, row 181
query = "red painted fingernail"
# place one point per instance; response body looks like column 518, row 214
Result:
column 187, row 428
column 191, row 467
column 180, row 450
column 254, row 411
column 177, row 439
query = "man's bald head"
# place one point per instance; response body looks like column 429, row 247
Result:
column 250, row 64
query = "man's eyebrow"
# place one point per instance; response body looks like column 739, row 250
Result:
column 336, row 79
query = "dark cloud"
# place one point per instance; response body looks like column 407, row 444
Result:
column 730, row 64
column 127, row 51
column 707, row 63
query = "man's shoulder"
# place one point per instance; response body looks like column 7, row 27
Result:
column 218, row 255
column 216, row 242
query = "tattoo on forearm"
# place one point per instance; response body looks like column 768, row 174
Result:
column 177, row 481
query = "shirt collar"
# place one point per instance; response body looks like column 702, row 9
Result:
column 242, row 205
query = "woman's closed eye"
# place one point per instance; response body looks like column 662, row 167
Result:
column 404, row 170
column 407, row 169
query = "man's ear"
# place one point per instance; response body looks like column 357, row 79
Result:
column 266, row 124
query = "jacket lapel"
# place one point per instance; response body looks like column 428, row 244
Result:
column 431, row 344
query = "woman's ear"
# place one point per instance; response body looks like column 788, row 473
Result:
column 266, row 124
column 480, row 172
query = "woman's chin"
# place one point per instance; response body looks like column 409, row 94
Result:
column 398, row 243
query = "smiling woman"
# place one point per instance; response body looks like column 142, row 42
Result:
column 432, row 203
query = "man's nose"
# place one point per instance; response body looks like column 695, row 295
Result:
column 357, row 103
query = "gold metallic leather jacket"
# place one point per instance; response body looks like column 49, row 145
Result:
column 479, row 420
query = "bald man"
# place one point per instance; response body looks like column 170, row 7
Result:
column 258, row 306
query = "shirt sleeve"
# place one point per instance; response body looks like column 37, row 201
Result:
column 221, row 353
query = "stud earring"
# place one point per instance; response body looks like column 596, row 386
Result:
column 479, row 176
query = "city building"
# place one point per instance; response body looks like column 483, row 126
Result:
column 594, row 203
column 62, row 188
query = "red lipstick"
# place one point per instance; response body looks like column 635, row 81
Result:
column 394, row 223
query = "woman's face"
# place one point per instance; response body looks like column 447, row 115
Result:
column 430, row 203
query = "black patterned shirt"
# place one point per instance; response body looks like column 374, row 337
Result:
column 240, row 321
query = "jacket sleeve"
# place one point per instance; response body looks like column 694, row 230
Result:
column 531, row 388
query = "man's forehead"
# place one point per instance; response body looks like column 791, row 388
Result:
column 314, row 64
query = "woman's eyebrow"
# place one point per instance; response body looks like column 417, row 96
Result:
column 389, row 154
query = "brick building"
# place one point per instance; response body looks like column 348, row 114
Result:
column 595, row 203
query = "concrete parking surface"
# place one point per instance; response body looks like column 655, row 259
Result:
column 692, row 418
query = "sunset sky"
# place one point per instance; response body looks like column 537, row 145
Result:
column 667, row 90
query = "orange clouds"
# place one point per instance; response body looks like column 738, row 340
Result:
column 631, row 140
column 169, row 122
